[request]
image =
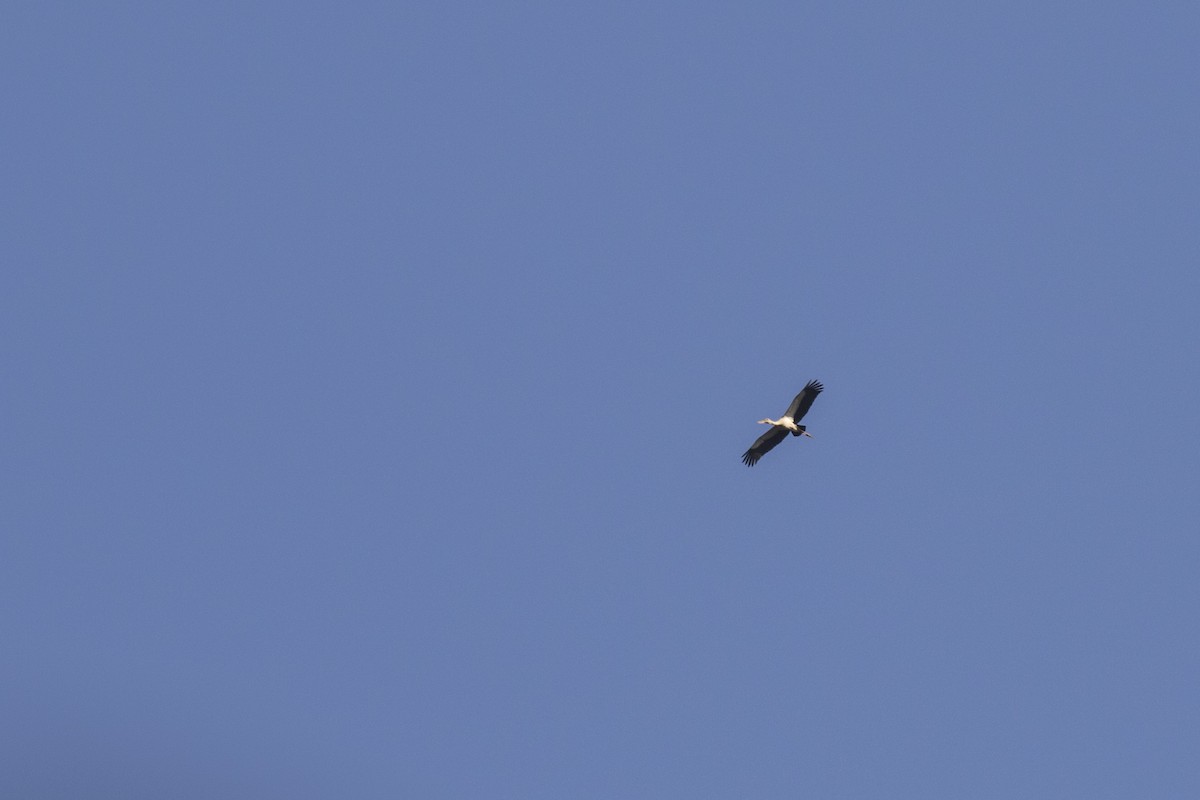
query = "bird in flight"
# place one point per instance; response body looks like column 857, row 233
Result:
column 786, row 424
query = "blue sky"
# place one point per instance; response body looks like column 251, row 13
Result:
column 376, row 377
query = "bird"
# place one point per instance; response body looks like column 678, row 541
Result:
column 786, row 424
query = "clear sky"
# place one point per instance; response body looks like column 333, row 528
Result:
column 375, row 377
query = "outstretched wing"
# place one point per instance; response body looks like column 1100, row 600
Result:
column 764, row 444
column 804, row 400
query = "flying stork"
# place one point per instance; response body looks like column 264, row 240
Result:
column 786, row 424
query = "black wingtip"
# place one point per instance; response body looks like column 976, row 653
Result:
column 749, row 459
column 816, row 386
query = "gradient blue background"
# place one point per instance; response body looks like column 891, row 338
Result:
column 375, row 378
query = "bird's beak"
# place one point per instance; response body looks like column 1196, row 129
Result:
column 809, row 435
